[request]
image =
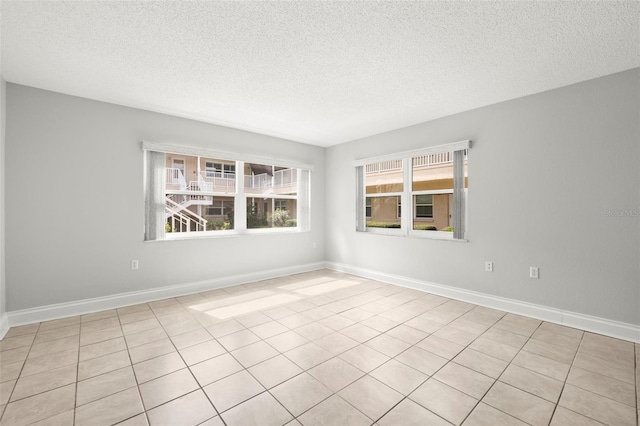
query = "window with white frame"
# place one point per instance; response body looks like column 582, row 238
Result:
column 432, row 183
column 193, row 192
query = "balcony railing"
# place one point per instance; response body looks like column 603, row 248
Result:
column 226, row 182
column 280, row 178
column 421, row 161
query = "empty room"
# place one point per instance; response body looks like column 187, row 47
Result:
column 383, row 213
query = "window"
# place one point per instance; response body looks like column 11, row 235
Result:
column 431, row 182
column 424, row 206
column 193, row 192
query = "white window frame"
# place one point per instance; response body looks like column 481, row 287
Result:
column 154, row 187
column 407, row 194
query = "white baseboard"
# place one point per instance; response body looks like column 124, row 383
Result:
column 87, row 306
column 619, row 330
column 4, row 325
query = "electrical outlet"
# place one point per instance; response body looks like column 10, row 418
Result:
column 134, row 264
column 533, row 272
column 488, row 266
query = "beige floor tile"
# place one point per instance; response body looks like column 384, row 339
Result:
column 45, row 363
column 238, row 339
column 518, row 324
column 100, row 324
column 535, row 383
column 371, row 397
column 11, row 371
column 22, row 330
column 607, row 347
column 408, row 413
column 464, row 379
column 486, row 415
column 268, row 329
column 105, row 384
column 390, row 346
column 275, row 371
column 559, row 353
column 132, row 309
column 106, row 347
column 136, row 316
column 570, row 342
column 53, row 346
column 191, row 338
column 39, row 407
column 399, row 376
column 16, row 342
column 379, row 323
column 138, row 326
column 225, row 328
column 506, row 337
column 216, row 421
column 151, row 350
column 424, row 325
column 5, row 391
column 336, row 343
column 360, row 332
column 156, row 367
column 336, row 374
column 262, row 410
column 597, row 407
column 279, row 312
column 253, row 319
column 296, row 320
column 542, row 365
column 254, row 353
column 104, row 364
column 144, row 337
column 98, row 316
column 91, row 337
column 603, row 385
column 233, row 390
column 495, row 349
column 111, row 409
column 62, row 419
column 439, row 346
column 14, row 355
column 286, row 341
column 139, row 420
column 308, row 356
column 407, row 334
column 45, row 381
column 59, row 323
column 456, row 335
column 300, row 393
column 166, row 388
column 202, row 352
column 314, row 331
column 337, row 322
column 355, row 314
column 421, row 360
column 334, row 411
column 443, row 400
column 174, row 328
column 364, row 358
column 56, row 333
column 561, row 329
column 618, row 370
column 215, row 369
column 520, row 404
column 564, row 417
column 469, row 325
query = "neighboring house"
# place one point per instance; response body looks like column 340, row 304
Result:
column 200, row 193
column 432, row 188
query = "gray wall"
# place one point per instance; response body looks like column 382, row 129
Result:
column 74, row 202
column 544, row 171
column 3, row 115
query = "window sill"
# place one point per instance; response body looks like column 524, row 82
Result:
column 181, row 236
column 429, row 235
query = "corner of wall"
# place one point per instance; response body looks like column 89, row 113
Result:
column 3, row 305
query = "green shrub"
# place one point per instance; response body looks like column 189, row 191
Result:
column 279, row 218
column 291, row 223
column 447, row 229
column 167, row 227
column 425, row 228
column 218, row 225
column 373, row 224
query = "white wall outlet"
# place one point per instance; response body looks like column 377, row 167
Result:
column 488, row 266
column 533, row 272
column 134, row 264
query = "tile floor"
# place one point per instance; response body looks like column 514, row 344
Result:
column 321, row 348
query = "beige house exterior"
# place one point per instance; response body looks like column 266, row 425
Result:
column 200, row 194
column 432, row 192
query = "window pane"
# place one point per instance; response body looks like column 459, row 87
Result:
column 216, row 176
column 433, row 172
column 383, row 212
column 266, row 179
column 384, row 177
column 197, row 213
column 271, row 213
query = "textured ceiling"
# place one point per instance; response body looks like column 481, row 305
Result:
column 315, row 72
